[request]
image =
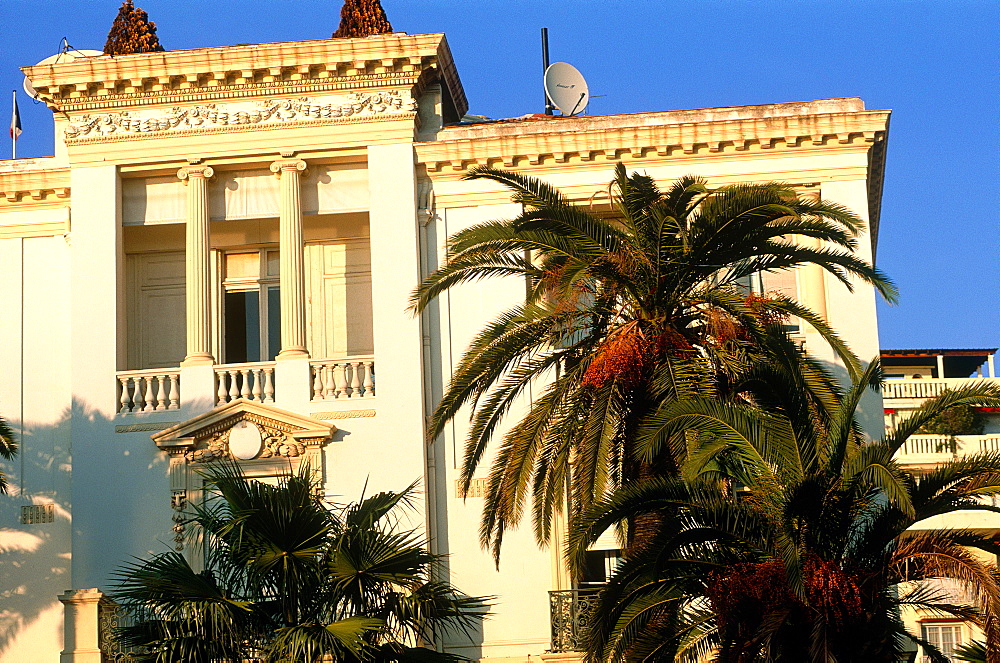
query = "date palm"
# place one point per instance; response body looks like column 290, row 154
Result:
column 626, row 308
column 812, row 557
column 8, row 450
column 288, row 579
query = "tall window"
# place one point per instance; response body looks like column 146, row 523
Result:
column 251, row 307
column 598, row 567
column 784, row 282
column 945, row 636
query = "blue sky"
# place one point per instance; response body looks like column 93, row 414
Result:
column 933, row 63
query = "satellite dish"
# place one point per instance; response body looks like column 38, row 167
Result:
column 566, row 88
column 69, row 56
column 29, row 89
column 62, row 56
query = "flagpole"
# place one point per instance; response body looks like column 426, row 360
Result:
column 13, row 138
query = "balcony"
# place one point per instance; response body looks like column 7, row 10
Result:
column 148, row 390
column 570, row 611
column 917, row 389
column 330, row 380
column 929, row 450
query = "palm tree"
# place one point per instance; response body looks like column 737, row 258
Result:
column 8, row 449
column 792, row 540
column 286, row 578
column 625, row 310
column 974, row 652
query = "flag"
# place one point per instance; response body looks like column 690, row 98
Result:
column 15, row 121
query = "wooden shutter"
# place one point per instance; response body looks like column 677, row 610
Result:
column 339, row 298
column 155, row 310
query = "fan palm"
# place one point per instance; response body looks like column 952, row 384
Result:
column 286, row 578
column 8, row 449
column 625, row 310
column 812, row 557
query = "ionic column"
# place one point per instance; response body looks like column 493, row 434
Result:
column 291, row 268
column 198, row 284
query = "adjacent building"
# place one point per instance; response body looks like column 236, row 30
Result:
column 217, row 262
column 913, row 376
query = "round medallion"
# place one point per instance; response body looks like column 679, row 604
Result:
column 245, row 440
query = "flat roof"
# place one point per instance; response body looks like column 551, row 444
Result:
column 950, row 352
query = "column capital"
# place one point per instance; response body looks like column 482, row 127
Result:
column 189, row 172
column 287, row 165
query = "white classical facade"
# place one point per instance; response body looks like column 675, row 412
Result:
column 217, row 262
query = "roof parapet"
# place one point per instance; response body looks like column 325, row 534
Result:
column 284, row 68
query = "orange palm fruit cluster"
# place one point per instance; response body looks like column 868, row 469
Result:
column 748, row 589
column 362, row 18
column 132, row 32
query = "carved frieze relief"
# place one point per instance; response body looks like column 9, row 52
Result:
column 275, row 443
column 239, row 115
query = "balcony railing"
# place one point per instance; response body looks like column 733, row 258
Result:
column 919, row 449
column 334, row 379
column 570, row 612
column 926, row 388
column 156, row 389
column 253, row 382
column 149, row 390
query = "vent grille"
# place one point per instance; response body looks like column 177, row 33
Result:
column 477, row 488
column 38, row 514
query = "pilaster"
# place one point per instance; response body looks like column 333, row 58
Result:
column 81, row 626
column 397, row 333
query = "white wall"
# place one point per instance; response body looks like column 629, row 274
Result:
column 34, row 400
column 520, row 623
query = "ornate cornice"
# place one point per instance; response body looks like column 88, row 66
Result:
column 104, row 82
column 522, row 144
column 343, row 414
column 34, row 187
column 238, row 115
column 223, row 417
column 140, row 428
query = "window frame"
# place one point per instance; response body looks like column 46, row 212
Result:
column 958, row 633
column 262, row 283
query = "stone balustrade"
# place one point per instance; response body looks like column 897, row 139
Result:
column 351, row 377
column 158, row 389
column 149, row 390
column 254, row 382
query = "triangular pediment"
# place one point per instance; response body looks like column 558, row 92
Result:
column 206, row 434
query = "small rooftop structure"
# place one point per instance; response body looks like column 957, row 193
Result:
column 937, row 363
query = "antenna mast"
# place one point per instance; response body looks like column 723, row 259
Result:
column 545, row 67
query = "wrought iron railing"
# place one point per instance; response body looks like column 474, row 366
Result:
column 570, row 612
column 111, row 618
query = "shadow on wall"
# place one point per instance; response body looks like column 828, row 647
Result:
column 35, row 557
column 120, row 509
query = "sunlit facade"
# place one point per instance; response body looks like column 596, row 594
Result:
column 226, row 240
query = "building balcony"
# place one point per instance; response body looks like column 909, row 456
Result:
column 159, row 389
column 919, row 389
column 930, row 450
column 570, row 612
